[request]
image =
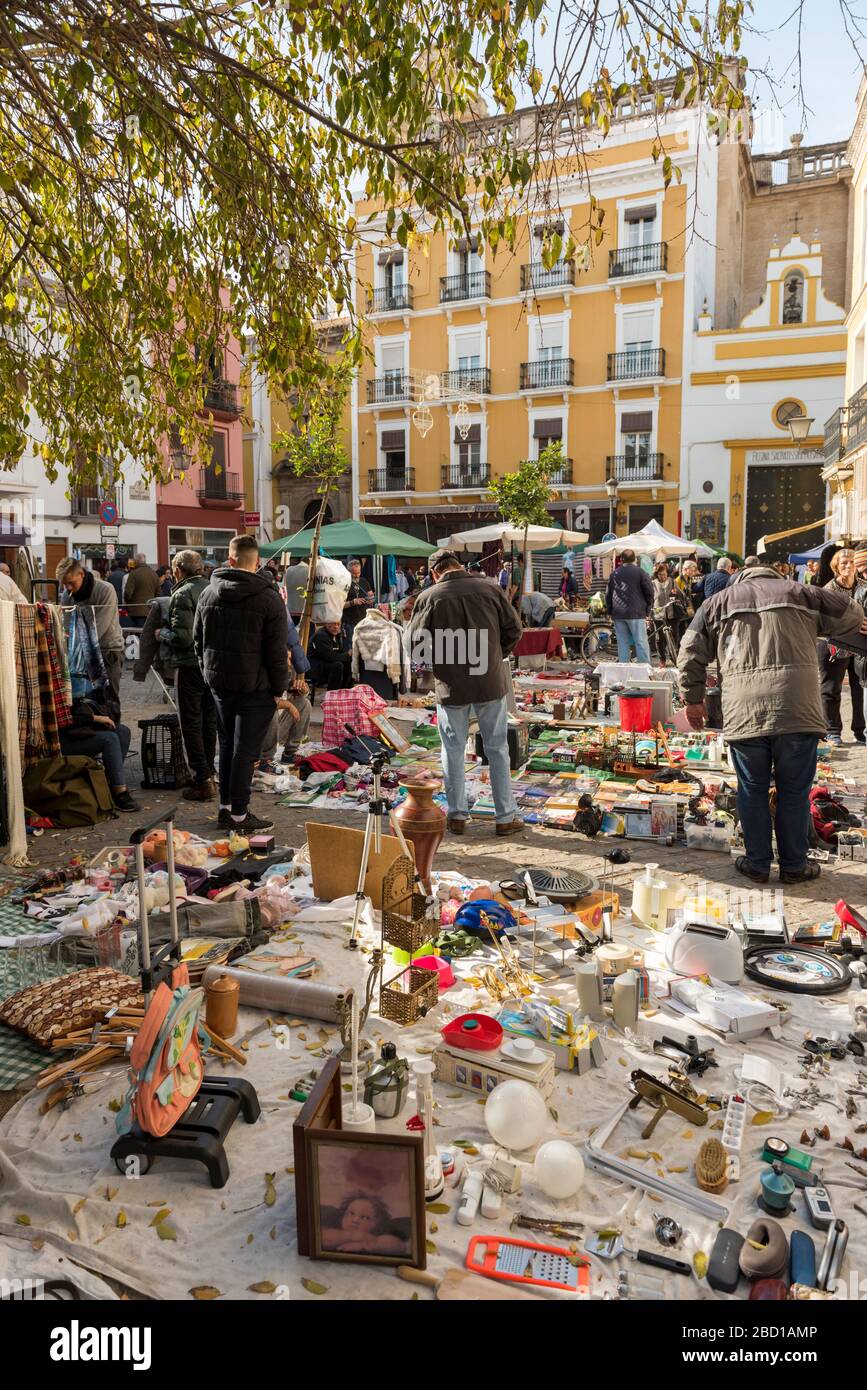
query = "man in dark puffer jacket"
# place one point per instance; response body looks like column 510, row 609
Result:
column 240, row 636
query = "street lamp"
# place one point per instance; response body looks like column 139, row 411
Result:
column 799, row 427
column 611, row 489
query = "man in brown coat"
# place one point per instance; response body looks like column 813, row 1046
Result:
column 142, row 584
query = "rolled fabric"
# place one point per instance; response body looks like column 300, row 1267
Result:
column 274, row 992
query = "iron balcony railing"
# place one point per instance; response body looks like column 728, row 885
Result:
column 856, row 420
column 835, row 432
column 476, row 379
column 476, row 284
column 86, row 502
column 383, row 389
column 561, row 474
column 637, row 364
column 390, row 479
column 638, row 260
column 222, row 396
column 457, row 475
column 631, row 468
column 389, row 299
column 220, row 489
column 553, row 371
column 535, row 277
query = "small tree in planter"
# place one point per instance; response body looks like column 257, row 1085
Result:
column 522, row 497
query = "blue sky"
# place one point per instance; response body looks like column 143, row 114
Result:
column 830, row 71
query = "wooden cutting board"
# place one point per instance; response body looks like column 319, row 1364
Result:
column 460, row 1285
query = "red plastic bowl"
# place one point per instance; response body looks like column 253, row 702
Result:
column 474, row 1032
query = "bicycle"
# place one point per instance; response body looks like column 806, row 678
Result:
column 598, row 643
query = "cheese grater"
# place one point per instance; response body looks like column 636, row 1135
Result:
column 522, row 1262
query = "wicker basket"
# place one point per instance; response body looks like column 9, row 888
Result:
column 405, row 923
column 406, row 1006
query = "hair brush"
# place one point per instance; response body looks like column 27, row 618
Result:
column 711, row 1166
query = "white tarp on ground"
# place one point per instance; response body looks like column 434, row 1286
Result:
column 231, row 1239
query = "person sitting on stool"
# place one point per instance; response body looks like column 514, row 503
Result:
column 93, row 733
column 331, row 658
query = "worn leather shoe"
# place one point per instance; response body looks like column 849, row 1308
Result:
column 200, row 791
column 456, row 825
column 743, row 866
column 510, row 827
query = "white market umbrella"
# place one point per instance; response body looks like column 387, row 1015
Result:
column 529, row 539
column 652, row 539
column 537, row 537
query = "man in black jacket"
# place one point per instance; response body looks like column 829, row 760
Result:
column 330, row 658
column 629, row 600
column 463, row 631
column 240, row 636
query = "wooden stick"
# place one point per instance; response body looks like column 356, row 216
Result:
column 52, row 1074
column 227, row 1047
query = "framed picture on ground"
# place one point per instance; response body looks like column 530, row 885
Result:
column 390, row 732
column 366, row 1197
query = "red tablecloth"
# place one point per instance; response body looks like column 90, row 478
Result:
column 540, row 641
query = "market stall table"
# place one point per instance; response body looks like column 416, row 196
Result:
column 541, row 642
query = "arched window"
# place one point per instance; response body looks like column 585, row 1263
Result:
column 793, row 298
column 311, row 512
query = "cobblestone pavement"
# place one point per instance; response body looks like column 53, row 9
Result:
column 478, row 852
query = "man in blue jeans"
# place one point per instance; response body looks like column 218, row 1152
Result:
column 761, row 629
column 629, row 600
column 463, row 631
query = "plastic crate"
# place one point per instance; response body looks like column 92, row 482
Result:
column 162, row 753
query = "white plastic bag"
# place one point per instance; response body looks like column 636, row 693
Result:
column 330, row 587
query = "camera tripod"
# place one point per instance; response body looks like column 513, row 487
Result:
column 378, row 809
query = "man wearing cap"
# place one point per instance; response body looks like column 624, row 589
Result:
column 463, row 631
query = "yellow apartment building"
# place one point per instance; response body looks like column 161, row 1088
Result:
column 510, row 356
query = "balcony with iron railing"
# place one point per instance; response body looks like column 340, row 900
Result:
column 221, row 397
column 638, row 260
column 562, row 474
column 86, row 502
column 835, row 432
column 390, row 479
column 385, row 390
column 641, row 364
column 219, row 489
column 474, row 379
column 547, row 374
column 465, row 475
column 535, row 278
column 389, row 299
column 475, row 284
column 635, row 468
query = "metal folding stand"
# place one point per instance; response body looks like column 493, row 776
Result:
column 199, row 1134
column 378, row 809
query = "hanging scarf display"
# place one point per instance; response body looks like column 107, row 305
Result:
column 61, row 688
column 86, row 667
column 50, row 742
column 31, row 735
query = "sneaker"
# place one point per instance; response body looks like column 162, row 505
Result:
column 224, row 819
column 201, row 791
column 124, row 802
column 265, row 765
column 456, row 825
column 859, row 738
column 288, row 759
column 834, row 739
column 743, row 866
column 250, row 825
column 805, row 875
column 510, row 827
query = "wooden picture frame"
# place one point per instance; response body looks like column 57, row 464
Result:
column 402, row 1237
column 390, row 732
column 323, row 1110
column 319, row 1127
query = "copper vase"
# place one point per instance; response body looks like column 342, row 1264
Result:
column 422, row 822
